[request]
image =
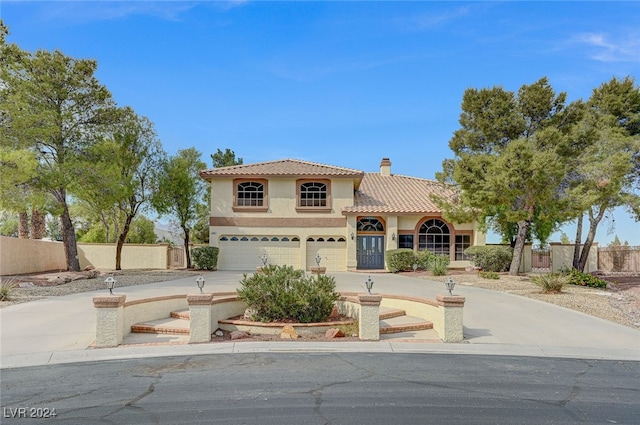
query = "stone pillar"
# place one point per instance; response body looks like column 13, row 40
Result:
column 451, row 326
column 199, row 317
column 369, row 320
column 109, row 320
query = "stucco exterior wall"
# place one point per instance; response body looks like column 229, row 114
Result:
column 19, row 256
column 134, row 256
column 562, row 257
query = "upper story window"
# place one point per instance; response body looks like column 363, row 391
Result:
column 314, row 195
column 250, row 195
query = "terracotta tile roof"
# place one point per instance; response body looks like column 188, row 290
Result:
column 282, row 168
column 396, row 194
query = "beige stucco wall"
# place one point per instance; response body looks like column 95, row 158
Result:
column 282, row 198
column 562, row 257
column 134, row 256
column 19, row 256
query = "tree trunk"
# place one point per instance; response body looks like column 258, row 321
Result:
column 23, row 225
column 521, row 238
column 578, row 242
column 593, row 226
column 38, row 228
column 68, row 232
column 121, row 239
column 187, row 252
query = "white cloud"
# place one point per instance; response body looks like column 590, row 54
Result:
column 607, row 48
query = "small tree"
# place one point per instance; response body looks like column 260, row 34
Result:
column 180, row 189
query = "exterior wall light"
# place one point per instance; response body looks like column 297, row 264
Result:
column 111, row 283
column 318, row 259
column 200, row 282
column 353, row 236
column 369, row 284
column 264, row 259
column 393, row 236
column 450, row 285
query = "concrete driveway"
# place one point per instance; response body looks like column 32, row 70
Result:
column 495, row 323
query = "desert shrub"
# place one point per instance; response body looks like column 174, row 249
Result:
column 550, row 283
column 584, row 279
column 439, row 265
column 424, row 259
column 400, row 259
column 6, row 288
column 490, row 258
column 205, row 257
column 282, row 293
column 488, row 275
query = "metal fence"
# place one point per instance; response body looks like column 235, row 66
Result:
column 541, row 260
column 619, row 259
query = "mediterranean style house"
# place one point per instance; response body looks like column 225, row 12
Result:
column 296, row 211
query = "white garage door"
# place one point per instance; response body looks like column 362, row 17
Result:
column 245, row 252
column 332, row 251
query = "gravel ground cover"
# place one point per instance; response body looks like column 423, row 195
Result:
column 621, row 306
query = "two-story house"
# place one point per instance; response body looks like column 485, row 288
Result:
column 294, row 211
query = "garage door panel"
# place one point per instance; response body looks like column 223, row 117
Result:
column 333, row 255
column 246, row 255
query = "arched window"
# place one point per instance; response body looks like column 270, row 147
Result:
column 435, row 236
column 250, row 194
column 313, row 194
column 370, row 224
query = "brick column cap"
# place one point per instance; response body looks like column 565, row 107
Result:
column 199, row 299
column 450, row 300
column 366, row 299
column 108, row 301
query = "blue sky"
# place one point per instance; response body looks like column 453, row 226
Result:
column 341, row 83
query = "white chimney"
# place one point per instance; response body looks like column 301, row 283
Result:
column 385, row 167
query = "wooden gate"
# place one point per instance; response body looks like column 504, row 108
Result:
column 175, row 257
column 540, row 260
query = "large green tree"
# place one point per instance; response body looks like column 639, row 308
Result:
column 604, row 175
column 121, row 172
column 510, row 159
column 53, row 106
column 180, row 190
column 225, row 159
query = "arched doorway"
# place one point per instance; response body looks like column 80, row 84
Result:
column 370, row 243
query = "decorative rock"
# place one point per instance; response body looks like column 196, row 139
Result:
column 26, row 285
column 219, row 333
column 57, row 280
column 288, row 332
column 334, row 313
column 239, row 335
column 334, row 333
column 612, row 287
column 89, row 267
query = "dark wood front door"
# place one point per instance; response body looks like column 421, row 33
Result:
column 370, row 252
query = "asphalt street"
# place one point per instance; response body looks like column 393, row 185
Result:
column 326, row 388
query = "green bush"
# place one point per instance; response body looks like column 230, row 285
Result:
column 489, row 275
column 282, row 293
column 205, row 257
column 585, row 279
column 439, row 265
column 424, row 259
column 490, row 258
column 400, row 260
column 550, row 283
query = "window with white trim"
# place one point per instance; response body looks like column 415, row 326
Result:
column 435, row 236
column 313, row 194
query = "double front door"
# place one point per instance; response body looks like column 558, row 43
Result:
column 370, row 252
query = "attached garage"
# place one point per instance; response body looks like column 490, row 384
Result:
column 332, row 251
column 241, row 252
